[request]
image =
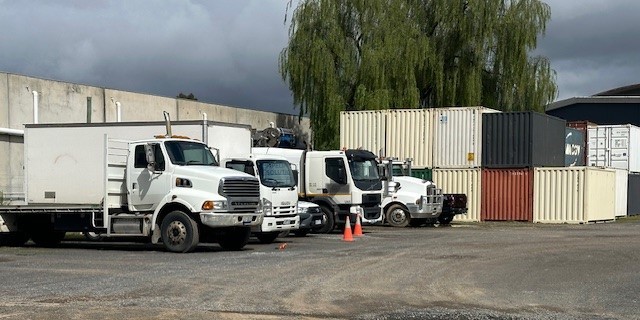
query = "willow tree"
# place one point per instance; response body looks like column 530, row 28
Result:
column 382, row 54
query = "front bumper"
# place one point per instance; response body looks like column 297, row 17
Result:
column 227, row 219
column 272, row 224
column 424, row 211
column 311, row 220
column 370, row 214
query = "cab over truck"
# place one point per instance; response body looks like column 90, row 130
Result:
column 277, row 189
column 341, row 182
column 408, row 200
column 118, row 180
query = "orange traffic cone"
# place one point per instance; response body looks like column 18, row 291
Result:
column 347, row 231
column 357, row 230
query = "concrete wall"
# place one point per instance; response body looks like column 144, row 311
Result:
column 63, row 102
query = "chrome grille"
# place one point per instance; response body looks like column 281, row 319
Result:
column 243, row 194
column 284, row 211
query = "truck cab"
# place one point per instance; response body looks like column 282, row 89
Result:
column 278, row 192
column 408, row 200
column 341, row 182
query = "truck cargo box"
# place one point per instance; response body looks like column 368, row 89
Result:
column 66, row 163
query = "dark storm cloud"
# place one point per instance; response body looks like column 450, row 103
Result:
column 593, row 45
column 223, row 52
column 226, row 51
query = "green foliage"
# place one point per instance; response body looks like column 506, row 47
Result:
column 382, row 54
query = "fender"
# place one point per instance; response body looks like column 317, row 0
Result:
column 167, row 200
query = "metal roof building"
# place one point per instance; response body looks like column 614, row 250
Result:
column 615, row 106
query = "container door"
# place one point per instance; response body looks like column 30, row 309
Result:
column 147, row 188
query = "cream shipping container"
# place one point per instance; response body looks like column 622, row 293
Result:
column 573, row 195
column 462, row 180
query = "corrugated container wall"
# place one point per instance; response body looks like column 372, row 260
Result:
column 574, row 149
column 522, row 139
column 458, row 137
column 622, row 188
column 583, row 126
column 467, row 181
column 573, row 195
column 366, row 129
column 507, row 195
column 410, row 135
column 633, row 195
column 616, row 146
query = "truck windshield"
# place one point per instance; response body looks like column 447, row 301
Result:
column 364, row 169
column 275, row 173
column 187, row 153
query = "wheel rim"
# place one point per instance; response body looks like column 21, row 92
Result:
column 176, row 233
column 397, row 216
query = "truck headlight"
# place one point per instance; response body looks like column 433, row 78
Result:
column 267, row 207
column 220, row 205
column 302, row 210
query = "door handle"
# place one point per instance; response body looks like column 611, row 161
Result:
column 134, row 186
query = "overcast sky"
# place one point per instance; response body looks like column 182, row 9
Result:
column 226, row 51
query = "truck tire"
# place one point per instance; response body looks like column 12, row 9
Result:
column 92, row 236
column 235, row 238
column 445, row 220
column 47, row 238
column 14, row 239
column 329, row 221
column 179, row 232
column 267, row 237
column 397, row 216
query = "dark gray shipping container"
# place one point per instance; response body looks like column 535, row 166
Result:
column 522, row 139
column 633, row 195
column 575, row 147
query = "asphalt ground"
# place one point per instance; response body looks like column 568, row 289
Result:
column 466, row 271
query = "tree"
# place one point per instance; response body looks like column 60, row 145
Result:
column 382, row 54
column 190, row 96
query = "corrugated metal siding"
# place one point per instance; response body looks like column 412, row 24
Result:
column 458, row 137
column 622, row 188
column 410, row 135
column 507, row 195
column 615, row 147
column 366, row 129
column 573, row 195
column 522, row 139
column 575, row 148
column 633, row 195
column 467, row 181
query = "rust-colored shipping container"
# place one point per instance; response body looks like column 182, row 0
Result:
column 507, row 195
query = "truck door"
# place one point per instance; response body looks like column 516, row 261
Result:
column 146, row 187
column 336, row 180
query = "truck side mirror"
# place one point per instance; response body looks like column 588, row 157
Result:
column 151, row 157
column 295, row 176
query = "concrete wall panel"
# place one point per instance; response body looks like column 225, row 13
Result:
column 192, row 110
column 4, row 100
column 138, row 106
column 57, row 101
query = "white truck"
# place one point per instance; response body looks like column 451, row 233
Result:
column 408, row 200
column 341, row 182
column 117, row 180
column 278, row 192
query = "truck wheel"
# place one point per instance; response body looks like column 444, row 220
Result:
column 267, row 237
column 397, row 216
column 445, row 219
column 47, row 238
column 179, row 232
column 328, row 221
column 14, row 239
column 235, row 238
column 92, row 236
